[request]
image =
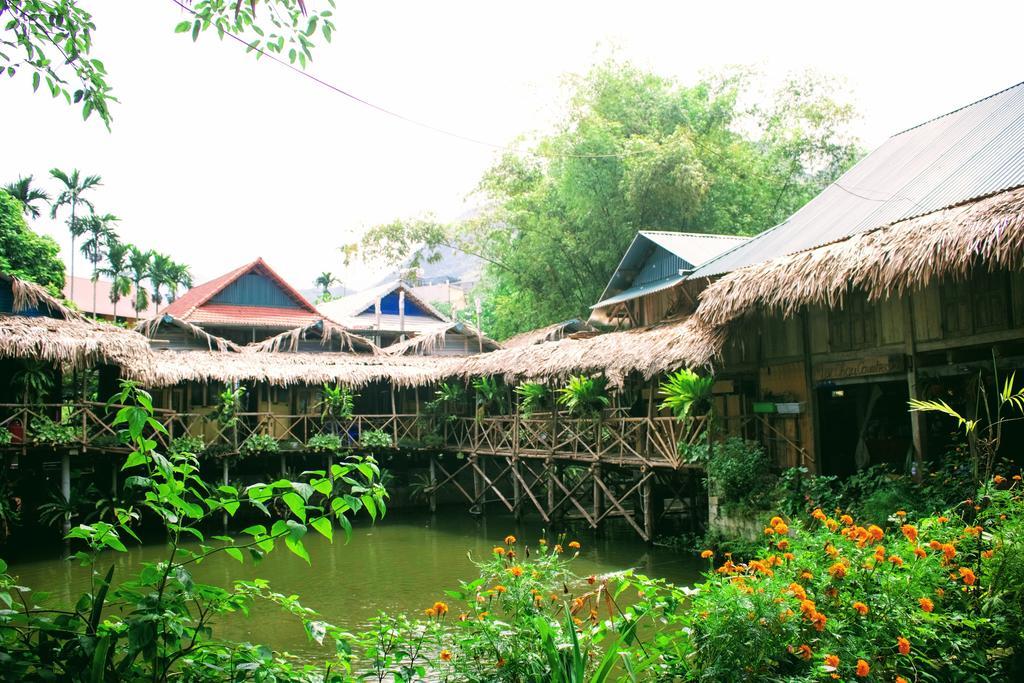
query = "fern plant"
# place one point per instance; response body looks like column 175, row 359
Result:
column 683, row 391
column 985, row 432
column 533, row 396
column 34, row 382
column 583, row 396
column 337, row 403
column 490, row 397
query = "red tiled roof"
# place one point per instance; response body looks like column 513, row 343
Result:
column 191, row 305
column 83, row 299
column 252, row 316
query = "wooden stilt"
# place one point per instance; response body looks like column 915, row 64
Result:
column 595, row 473
column 517, row 494
column 478, row 485
column 284, row 466
column 551, row 474
column 647, row 498
column 225, row 478
column 65, row 487
column 433, row 484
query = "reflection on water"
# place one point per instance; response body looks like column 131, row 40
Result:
column 401, row 564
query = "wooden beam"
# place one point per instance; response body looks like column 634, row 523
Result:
column 917, row 418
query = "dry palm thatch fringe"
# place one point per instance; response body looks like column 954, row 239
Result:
column 29, row 295
column 213, row 342
column 289, row 341
column 615, row 355
column 547, row 334
column 428, row 343
column 73, row 342
column 885, row 262
column 167, row 368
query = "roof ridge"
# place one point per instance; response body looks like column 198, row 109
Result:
column 716, row 235
column 958, row 109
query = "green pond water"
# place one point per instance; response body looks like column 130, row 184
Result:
column 401, row 564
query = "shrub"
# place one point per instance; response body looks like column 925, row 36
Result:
column 533, row 396
column 45, row 430
column 324, row 443
column 259, row 443
column 186, row 444
column 738, row 471
column 583, row 396
column 375, row 438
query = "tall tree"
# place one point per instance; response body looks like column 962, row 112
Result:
column 634, row 151
column 117, row 270
column 325, row 281
column 74, row 186
column 180, row 276
column 23, row 190
column 25, row 254
column 161, row 274
column 99, row 234
column 139, row 266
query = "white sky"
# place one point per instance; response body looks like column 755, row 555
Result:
column 216, row 158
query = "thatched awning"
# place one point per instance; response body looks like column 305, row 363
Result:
column 167, row 368
column 548, row 334
column 73, row 342
column 645, row 351
column 885, row 262
column 213, row 342
column 429, row 342
column 327, row 329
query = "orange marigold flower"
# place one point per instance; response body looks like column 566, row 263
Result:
column 498, row 550
column 903, row 645
column 896, row 560
column 880, row 553
column 901, row 679
column 807, row 607
column 790, row 557
column 967, row 574
column 831, row 524
column 863, row 668
column 707, row 553
column 943, row 519
column 926, row 604
column 847, row 520
column 901, row 513
column 591, row 579
column 558, row 548
column 500, row 589
column 1016, row 477
column 511, row 554
column 768, row 531
column 542, row 541
column 986, row 554
column 806, row 575
column 805, row 651
column 553, row 597
column 818, row 514
column 999, row 479
column 577, row 603
column 515, row 571
column 440, row 608
column 910, row 531
column 818, row 620
column 837, row 571
column 797, row 590
column 510, row 540
column 430, row 612
column 919, row 552
column 875, row 533
column 831, row 660
column 575, row 545
column 948, row 551
column 782, row 529
column 860, row 608
column 972, row 530
column 830, row 550
column 934, row 545
column 482, row 615
column 782, row 545
column 501, row 662
column 775, row 521
column 446, row 655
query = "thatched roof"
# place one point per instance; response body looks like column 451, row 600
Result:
column 646, row 351
column 167, row 368
column 28, row 296
column 73, row 342
column 328, row 331
column 213, row 343
column 885, row 262
column 547, row 334
column 428, row 342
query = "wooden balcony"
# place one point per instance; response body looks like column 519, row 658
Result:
column 643, row 442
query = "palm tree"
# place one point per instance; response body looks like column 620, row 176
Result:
column 22, row 190
column 139, row 266
column 100, row 235
column 75, row 185
column 325, row 281
column 180, row 276
column 117, row 270
column 160, row 275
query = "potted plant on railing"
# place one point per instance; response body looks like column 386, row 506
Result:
column 443, row 409
column 584, row 397
column 226, row 412
column 337, row 404
column 686, row 394
column 259, row 444
column 489, row 397
column 34, row 381
column 533, row 397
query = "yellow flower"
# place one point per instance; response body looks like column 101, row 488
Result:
column 707, row 554
column 575, row 545
column 498, row 550
column 510, row 540
column 446, row 655
column 558, row 549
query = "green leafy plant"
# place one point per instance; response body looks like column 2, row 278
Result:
column 229, row 402
column 684, row 391
column 157, row 623
column 336, row 404
column 324, row 443
column 375, row 438
column 446, row 401
column 186, row 444
column 533, row 397
column 5, row 436
column 47, row 431
column 489, row 396
column 56, row 510
column 738, row 471
column 34, row 381
column 256, row 444
column 583, row 396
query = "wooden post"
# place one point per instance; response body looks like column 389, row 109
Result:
column 284, row 467
column 517, row 494
column 225, row 477
column 478, row 484
column 65, row 487
column 647, row 498
column 401, row 314
column 595, row 473
column 479, row 331
column 433, row 484
column 551, row 474
column 376, row 318
column 917, row 418
column 394, row 418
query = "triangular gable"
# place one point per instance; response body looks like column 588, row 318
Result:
column 254, row 285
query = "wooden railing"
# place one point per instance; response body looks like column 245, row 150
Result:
column 640, row 441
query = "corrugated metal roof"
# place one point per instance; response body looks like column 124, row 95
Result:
column 972, row 152
column 689, row 249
